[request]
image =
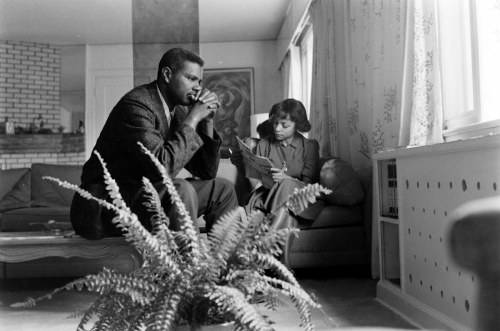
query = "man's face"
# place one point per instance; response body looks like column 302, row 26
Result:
column 184, row 84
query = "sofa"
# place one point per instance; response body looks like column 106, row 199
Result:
column 341, row 233
column 339, row 236
column 28, row 202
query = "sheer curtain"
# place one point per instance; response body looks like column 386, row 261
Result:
column 376, row 79
column 357, row 78
column 285, row 75
column 291, row 75
column 323, row 110
column 422, row 113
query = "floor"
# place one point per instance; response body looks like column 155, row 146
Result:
column 347, row 298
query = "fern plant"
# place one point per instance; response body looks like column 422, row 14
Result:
column 188, row 280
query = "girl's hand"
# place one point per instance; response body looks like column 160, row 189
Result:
column 279, row 174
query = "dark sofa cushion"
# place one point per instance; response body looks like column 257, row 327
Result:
column 46, row 193
column 17, row 185
column 21, row 219
column 339, row 176
column 335, row 216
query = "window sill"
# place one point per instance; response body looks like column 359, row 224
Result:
column 472, row 131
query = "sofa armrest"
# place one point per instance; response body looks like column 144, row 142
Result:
column 9, row 179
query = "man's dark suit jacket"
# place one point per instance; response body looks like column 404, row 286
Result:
column 139, row 117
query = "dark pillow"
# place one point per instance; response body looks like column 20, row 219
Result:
column 46, row 193
column 339, row 176
column 19, row 196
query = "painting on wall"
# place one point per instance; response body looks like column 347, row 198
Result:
column 235, row 90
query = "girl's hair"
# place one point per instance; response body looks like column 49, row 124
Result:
column 297, row 113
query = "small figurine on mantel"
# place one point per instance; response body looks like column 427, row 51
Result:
column 38, row 123
column 81, row 127
column 9, row 126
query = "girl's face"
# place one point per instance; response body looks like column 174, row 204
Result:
column 284, row 128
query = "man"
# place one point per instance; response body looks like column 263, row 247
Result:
column 180, row 137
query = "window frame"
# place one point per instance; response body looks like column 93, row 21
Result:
column 459, row 122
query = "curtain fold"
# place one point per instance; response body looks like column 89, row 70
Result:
column 356, row 89
column 295, row 83
column 421, row 102
column 323, row 110
column 285, row 75
column 376, row 80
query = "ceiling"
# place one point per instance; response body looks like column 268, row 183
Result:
column 77, row 22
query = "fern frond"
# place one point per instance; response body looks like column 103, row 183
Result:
column 164, row 314
column 135, row 233
column 139, row 289
column 270, row 262
column 291, row 290
column 300, row 199
column 273, row 241
column 153, row 205
column 83, row 193
column 111, row 186
column 227, row 233
column 233, row 301
column 91, row 312
column 159, row 219
column 299, row 297
column 186, row 223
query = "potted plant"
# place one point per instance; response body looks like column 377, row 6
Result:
column 186, row 280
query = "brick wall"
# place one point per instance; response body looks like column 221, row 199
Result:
column 30, row 83
column 29, row 86
column 13, row 161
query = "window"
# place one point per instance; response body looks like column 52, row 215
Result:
column 301, row 55
column 306, row 56
column 469, row 33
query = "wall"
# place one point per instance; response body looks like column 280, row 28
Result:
column 29, row 83
column 112, row 59
column 109, row 75
column 293, row 19
column 158, row 26
column 260, row 55
column 72, row 86
column 11, row 161
column 29, row 86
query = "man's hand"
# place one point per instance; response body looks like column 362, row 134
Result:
column 204, row 108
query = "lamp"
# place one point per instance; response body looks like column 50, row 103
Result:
column 255, row 120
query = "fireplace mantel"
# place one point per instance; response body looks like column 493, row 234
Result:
column 42, row 143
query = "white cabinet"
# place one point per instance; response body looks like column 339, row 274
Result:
column 416, row 189
column 387, row 214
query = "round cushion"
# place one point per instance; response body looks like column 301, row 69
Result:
column 339, row 176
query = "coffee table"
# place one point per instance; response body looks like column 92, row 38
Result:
column 27, row 246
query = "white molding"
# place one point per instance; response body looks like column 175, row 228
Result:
column 472, row 130
column 415, row 311
column 485, row 142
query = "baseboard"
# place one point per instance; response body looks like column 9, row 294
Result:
column 414, row 311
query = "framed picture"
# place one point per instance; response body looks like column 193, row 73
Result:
column 235, row 89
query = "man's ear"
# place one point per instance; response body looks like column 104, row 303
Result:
column 167, row 74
